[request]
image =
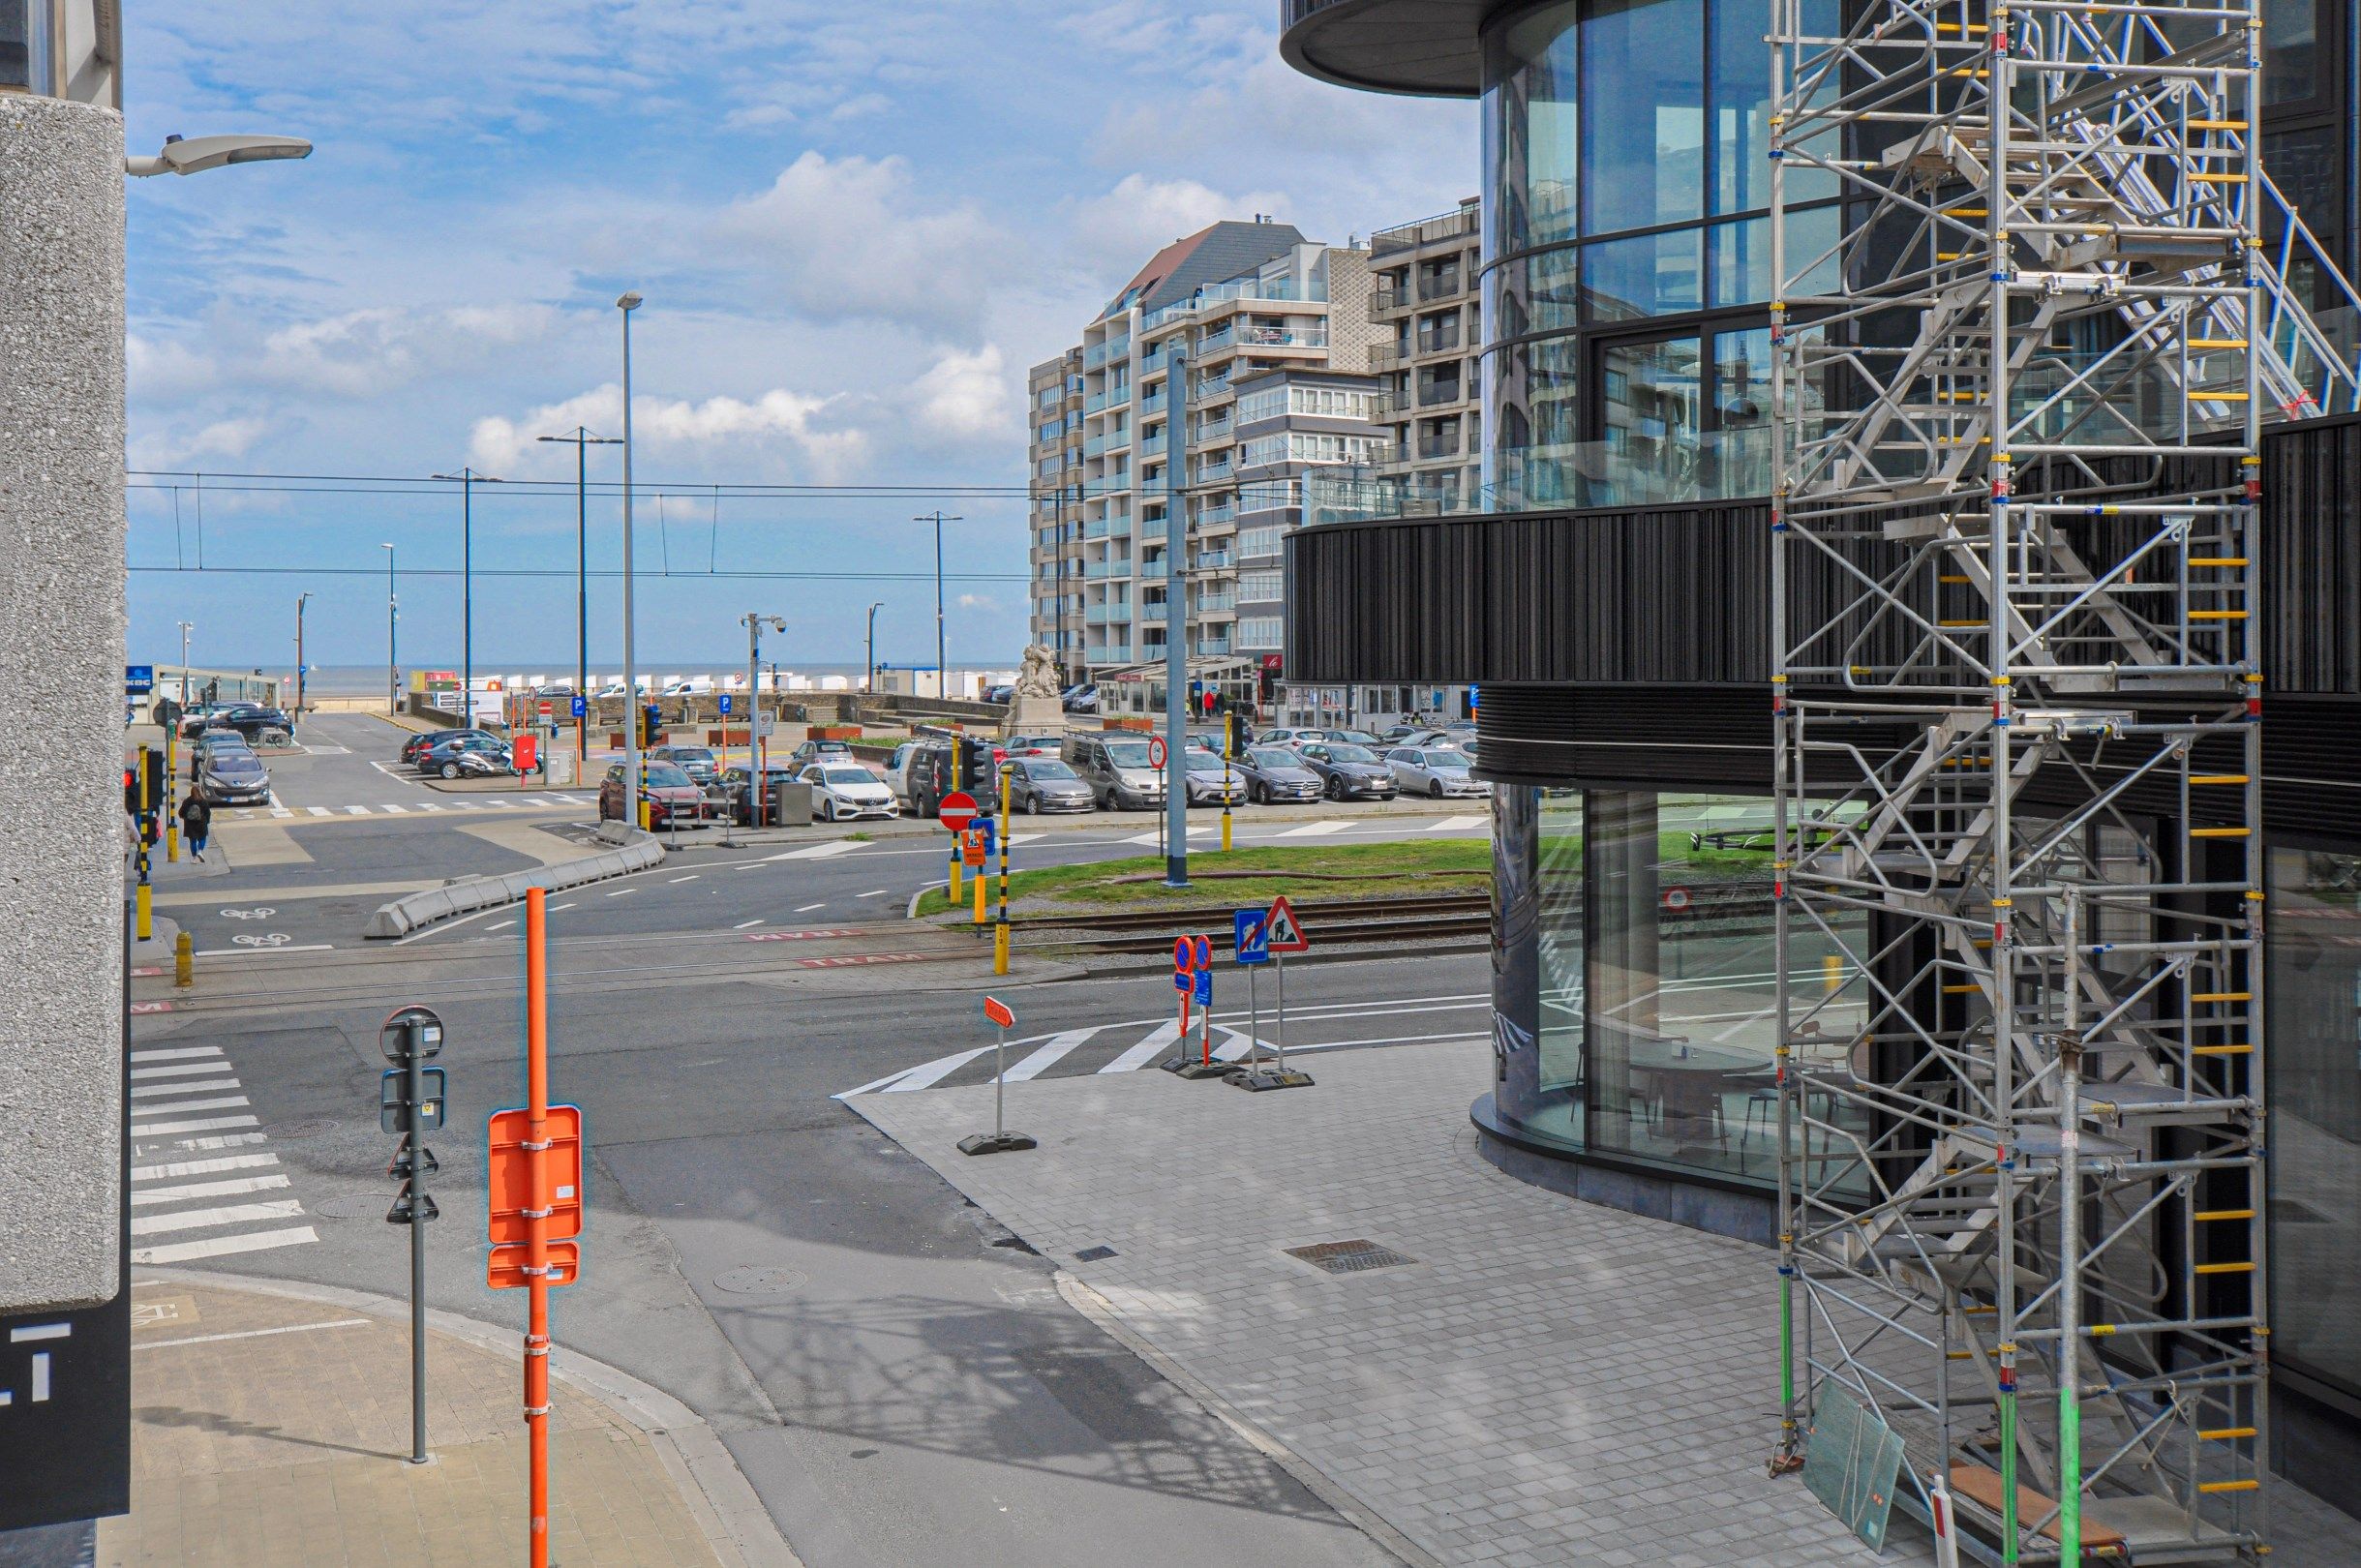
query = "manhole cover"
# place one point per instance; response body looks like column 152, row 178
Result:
column 355, row 1206
column 296, row 1131
column 1348, row 1256
column 758, row 1281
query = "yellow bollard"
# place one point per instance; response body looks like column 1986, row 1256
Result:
column 184, row 961
column 1000, row 949
column 955, row 873
column 1225, row 826
column 146, row 926
column 1832, row 969
column 982, row 886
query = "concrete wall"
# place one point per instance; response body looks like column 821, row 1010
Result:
column 61, row 659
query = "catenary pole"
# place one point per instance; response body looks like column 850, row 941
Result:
column 1176, row 618
column 631, row 687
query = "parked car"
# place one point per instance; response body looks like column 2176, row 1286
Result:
column 1422, row 739
column 812, row 751
column 668, row 792
column 1211, row 780
column 738, row 794
column 196, row 717
column 843, row 790
column 1083, row 698
column 232, row 776
column 1293, row 738
column 467, row 756
column 1032, row 745
column 1346, row 771
column 1002, row 691
column 415, row 745
column 1117, row 770
column 261, row 725
column 1039, row 784
column 1435, row 771
column 1275, row 774
column 697, row 762
column 211, row 742
column 1353, row 738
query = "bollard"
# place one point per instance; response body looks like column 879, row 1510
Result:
column 982, row 886
column 1831, row 972
column 184, row 961
column 955, row 871
column 144, row 904
column 1000, row 949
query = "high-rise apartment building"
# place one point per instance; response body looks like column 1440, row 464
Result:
column 1275, row 335
column 1425, row 303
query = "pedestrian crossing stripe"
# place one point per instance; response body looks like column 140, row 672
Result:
column 488, row 802
column 189, row 1203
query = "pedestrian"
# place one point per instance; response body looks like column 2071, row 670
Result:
column 196, row 821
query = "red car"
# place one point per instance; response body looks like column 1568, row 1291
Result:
column 668, row 791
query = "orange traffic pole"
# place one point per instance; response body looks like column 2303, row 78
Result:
column 537, row 1245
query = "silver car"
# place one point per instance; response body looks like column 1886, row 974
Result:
column 1276, row 773
column 233, row 777
column 1038, row 784
column 1433, row 771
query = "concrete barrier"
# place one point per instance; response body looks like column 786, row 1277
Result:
column 637, row 852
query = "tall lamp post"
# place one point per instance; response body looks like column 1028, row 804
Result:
column 1176, row 618
column 393, row 616
column 942, row 670
column 626, row 303
column 185, row 628
column 300, row 600
column 583, row 440
column 466, row 479
column 869, row 683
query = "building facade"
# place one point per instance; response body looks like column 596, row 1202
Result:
column 1425, row 303
column 1113, row 449
column 1612, row 591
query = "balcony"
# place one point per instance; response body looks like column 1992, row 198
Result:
column 1217, row 517
column 1434, row 230
column 1213, row 560
column 1153, row 404
column 1217, row 604
column 1099, row 353
column 1444, row 284
column 1114, row 440
column 1107, row 615
column 1384, row 356
column 1438, row 446
column 1212, row 648
column 1213, row 429
column 1439, row 340
column 1432, row 393
column 1115, row 526
column 1211, row 469
column 1153, row 446
column 1385, row 303
column 1212, row 389
column 1108, row 653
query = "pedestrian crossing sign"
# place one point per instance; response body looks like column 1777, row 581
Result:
column 1282, row 931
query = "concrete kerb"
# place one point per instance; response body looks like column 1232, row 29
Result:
column 638, row 852
column 713, row 1487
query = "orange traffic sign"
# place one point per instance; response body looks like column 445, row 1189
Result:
column 971, row 847
column 998, row 1012
column 504, row 1266
column 509, row 1177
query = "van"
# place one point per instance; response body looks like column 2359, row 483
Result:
column 1117, row 770
column 920, row 773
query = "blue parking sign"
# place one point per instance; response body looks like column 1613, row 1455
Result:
column 582, row 705
column 1254, row 936
column 725, row 705
column 1204, row 987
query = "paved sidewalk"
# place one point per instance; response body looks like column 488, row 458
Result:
column 273, row 1430
column 1546, row 1382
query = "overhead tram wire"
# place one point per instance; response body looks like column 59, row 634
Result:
column 414, row 484
column 533, row 571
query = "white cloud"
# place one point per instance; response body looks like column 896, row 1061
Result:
column 217, row 438
column 1141, row 216
column 977, row 601
column 362, row 352
column 779, row 416
column 971, row 395
column 851, row 237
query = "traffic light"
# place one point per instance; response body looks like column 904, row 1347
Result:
column 151, row 781
column 130, row 792
column 975, row 766
column 651, row 724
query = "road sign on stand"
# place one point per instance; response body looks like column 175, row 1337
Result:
column 1253, row 939
column 957, row 811
column 1283, row 932
column 508, row 1176
column 725, row 705
column 397, row 1112
column 1193, row 978
column 999, row 1140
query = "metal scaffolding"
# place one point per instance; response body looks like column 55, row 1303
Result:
column 2035, row 306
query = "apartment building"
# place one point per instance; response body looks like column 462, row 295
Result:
column 1247, row 307
column 1425, row 303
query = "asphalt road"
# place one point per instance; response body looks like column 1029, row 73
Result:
column 904, row 1385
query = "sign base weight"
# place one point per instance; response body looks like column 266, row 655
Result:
column 984, row 1143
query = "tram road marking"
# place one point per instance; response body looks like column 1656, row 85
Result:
column 255, row 1240
column 251, row 953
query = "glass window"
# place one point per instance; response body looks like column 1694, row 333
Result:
column 1628, row 279
column 2315, row 1089
column 2290, row 51
column 1650, row 418
column 1740, row 257
column 1263, row 403
column 1643, row 106
column 1531, row 128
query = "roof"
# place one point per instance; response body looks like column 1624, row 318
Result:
column 1423, row 48
column 1215, row 254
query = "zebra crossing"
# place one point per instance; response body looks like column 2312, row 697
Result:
column 205, row 1181
column 1134, row 1044
column 457, row 803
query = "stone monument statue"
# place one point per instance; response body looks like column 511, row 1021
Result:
column 1035, row 707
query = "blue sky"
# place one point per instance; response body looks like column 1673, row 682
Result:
column 856, row 226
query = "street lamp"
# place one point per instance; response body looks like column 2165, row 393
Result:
column 626, row 303
column 185, row 629
column 754, row 621
column 466, row 479
column 583, row 440
column 300, row 600
column 393, row 616
column 870, row 684
column 183, row 155
column 942, row 670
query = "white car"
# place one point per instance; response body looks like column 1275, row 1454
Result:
column 1433, row 770
column 843, row 790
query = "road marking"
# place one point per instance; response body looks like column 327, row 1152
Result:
column 1450, row 824
column 930, row 1074
column 818, row 852
column 317, row 811
column 225, row 1140
column 146, row 1090
column 151, row 1007
column 258, row 951
column 1315, row 829
column 254, row 1334
column 619, row 891
column 394, row 808
column 356, row 811
column 1048, row 1055
column 201, row 1167
column 553, row 908
column 177, row 1070
column 182, row 1106
column 691, row 877
column 873, row 892
column 232, row 1187
column 220, row 1246
column 232, row 1214
column 500, row 926
column 806, row 909
column 1165, row 1035
column 744, row 924
column 174, row 1053
column 822, row 935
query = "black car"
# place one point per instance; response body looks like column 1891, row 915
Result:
column 1277, row 773
column 467, row 756
column 426, row 738
column 738, row 796
column 1348, row 771
column 261, row 725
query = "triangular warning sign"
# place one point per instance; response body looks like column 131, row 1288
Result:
column 1286, row 933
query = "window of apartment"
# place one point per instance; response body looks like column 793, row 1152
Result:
column 1319, row 446
column 1263, row 403
column 1268, row 495
column 1261, row 541
column 1261, row 631
column 1264, row 585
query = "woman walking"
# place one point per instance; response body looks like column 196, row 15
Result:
column 196, row 821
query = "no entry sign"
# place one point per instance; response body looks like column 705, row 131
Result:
column 957, row 811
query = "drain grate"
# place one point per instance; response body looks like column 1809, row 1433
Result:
column 1348, row 1256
